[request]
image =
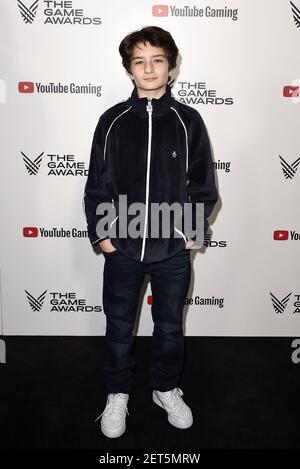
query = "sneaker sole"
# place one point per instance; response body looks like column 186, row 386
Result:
column 175, row 424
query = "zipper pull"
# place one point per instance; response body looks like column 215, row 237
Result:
column 149, row 105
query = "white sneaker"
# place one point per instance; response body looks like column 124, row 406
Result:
column 179, row 414
column 113, row 422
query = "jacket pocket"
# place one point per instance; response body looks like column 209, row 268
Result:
column 111, row 253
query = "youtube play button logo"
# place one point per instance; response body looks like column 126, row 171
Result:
column 30, row 232
column 281, row 235
column 26, row 87
column 160, row 10
column 290, row 91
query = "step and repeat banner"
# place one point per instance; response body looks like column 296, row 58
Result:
column 60, row 70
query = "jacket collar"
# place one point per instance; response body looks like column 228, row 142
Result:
column 160, row 106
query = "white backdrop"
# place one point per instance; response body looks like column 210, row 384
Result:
column 235, row 66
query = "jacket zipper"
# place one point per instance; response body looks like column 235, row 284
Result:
column 149, row 109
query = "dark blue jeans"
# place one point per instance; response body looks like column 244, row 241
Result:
column 122, row 281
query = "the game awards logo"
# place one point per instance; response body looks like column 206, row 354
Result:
column 57, row 164
column 280, row 305
column 36, row 303
column 296, row 14
column 289, row 169
column 63, row 302
column 57, row 12
column 28, row 12
column 32, row 165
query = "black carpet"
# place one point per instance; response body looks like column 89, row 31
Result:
column 244, row 393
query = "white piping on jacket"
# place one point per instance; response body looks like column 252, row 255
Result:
column 186, row 138
column 104, row 151
column 107, row 133
column 181, row 234
column 186, row 162
column 105, row 235
column 149, row 110
column 113, row 221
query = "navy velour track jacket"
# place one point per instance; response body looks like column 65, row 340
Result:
column 151, row 150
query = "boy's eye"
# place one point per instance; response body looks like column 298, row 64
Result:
column 140, row 61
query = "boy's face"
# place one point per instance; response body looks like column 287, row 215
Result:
column 149, row 69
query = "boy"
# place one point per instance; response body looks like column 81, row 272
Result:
column 153, row 149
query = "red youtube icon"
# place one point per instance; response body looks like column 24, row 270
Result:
column 160, row 10
column 281, row 235
column 26, row 87
column 290, row 91
column 30, row 232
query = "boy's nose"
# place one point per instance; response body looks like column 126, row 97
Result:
column 148, row 68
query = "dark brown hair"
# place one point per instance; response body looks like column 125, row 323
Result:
column 156, row 36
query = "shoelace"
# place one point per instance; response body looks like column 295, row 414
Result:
column 174, row 397
column 115, row 403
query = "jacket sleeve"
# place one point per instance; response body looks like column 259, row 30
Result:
column 201, row 185
column 99, row 184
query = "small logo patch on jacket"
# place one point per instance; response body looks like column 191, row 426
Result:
column 173, row 154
